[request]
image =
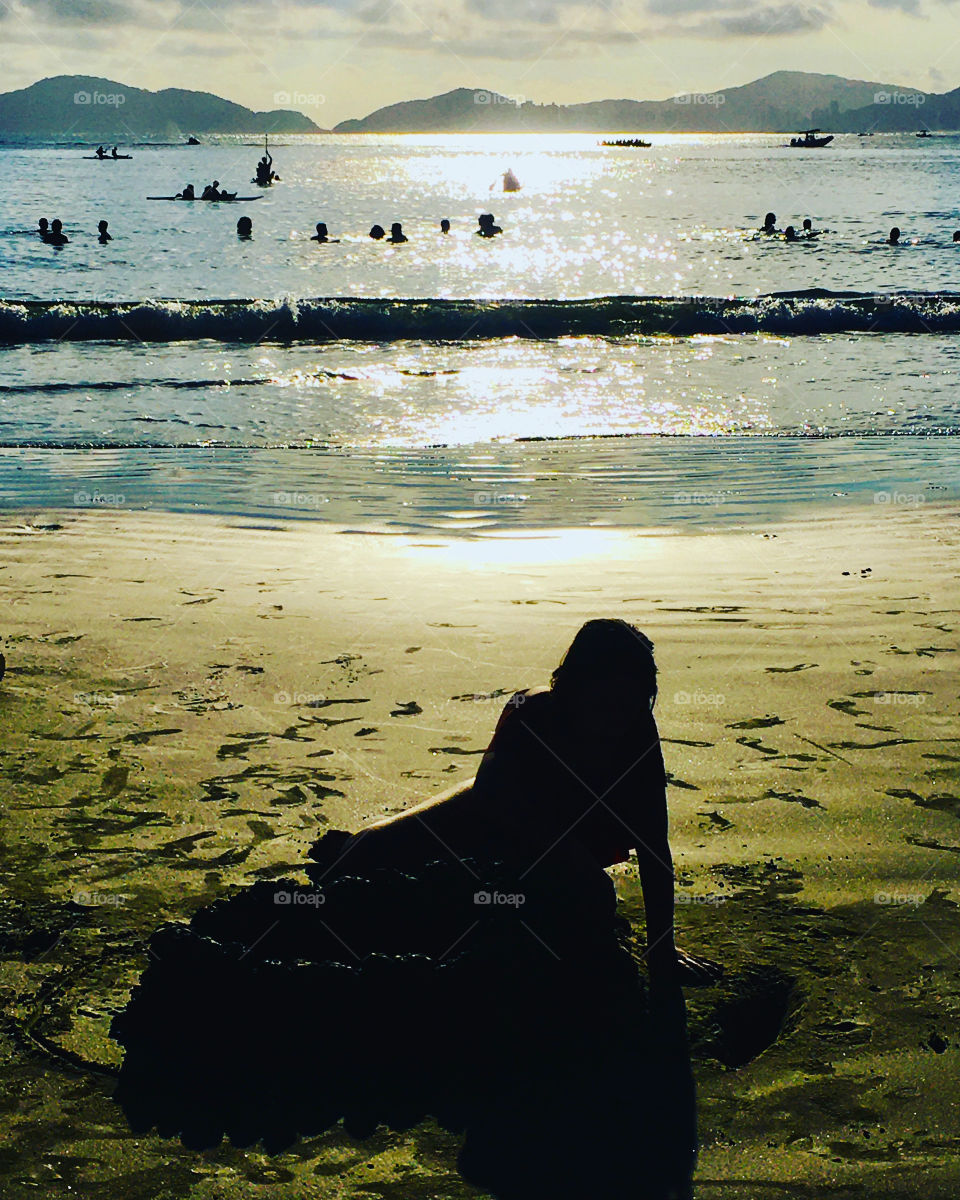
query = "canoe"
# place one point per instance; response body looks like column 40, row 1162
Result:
column 106, row 157
column 199, row 200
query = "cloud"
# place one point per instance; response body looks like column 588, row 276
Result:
column 769, row 20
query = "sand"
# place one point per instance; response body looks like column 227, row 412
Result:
column 188, row 700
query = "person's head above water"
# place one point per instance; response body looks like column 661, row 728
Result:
column 807, row 224
column 894, row 236
column 956, row 235
column 321, row 229
column 377, row 232
column 444, row 226
column 396, row 232
column 770, row 220
column 102, row 226
column 790, row 234
column 43, row 224
column 609, row 661
column 244, row 227
column 57, row 225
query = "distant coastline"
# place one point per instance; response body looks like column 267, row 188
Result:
column 75, row 108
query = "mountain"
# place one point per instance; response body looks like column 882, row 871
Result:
column 894, row 113
column 785, row 101
column 82, row 106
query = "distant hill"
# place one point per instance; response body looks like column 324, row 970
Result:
column 785, row 102
column 83, row 106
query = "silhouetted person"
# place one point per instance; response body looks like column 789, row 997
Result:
column 396, row 234
column 322, row 237
column 894, row 238
column 104, row 235
column 377, row 233
column 114, row 153
column 485, row 918
column 187, row 194
column 56, row 236
column 444, row 226
column 808, row 229
column 244, row 229
column 487, row 228
column 790, row 234
column 956, row 235
column 769, row 223
column 43, row 227
column 265, row 173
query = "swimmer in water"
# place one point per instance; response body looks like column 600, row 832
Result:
column 790, row 234
column 894, row 238
column 56, row 236
column 396, row 234
column 769, row 223
column 321, row 235
column 487, row 228
column 377, row 233
column 104, row 236
column 43, row 227
column 956, row 235
column 808, row 229
column 444, row 226
column 245, row 229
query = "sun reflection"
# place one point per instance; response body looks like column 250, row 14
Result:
column 536, row 548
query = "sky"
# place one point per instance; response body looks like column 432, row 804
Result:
column 334, row 59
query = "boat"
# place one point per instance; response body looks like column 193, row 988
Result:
column 106, row 157
column 631, row 143
column 192, row 141
column 924, row 133
column 807, row 139
column 200, row 200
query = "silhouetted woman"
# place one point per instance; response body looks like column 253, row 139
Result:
column 463, row 959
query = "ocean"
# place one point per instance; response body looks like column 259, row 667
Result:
column 628, row 351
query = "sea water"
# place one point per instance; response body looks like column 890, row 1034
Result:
column 628, row 350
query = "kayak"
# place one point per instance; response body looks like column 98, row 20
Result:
column 198, row 199
column 106, row 157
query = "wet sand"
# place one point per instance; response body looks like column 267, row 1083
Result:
column 189, row 700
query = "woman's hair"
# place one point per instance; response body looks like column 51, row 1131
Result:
column 607, row 651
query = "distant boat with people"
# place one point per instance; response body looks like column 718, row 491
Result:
column 808, row 139
column 924, row 133
column 628, row 143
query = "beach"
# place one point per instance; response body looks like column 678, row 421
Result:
column 190, row 699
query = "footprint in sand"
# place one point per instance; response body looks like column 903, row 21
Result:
column 756, row 723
